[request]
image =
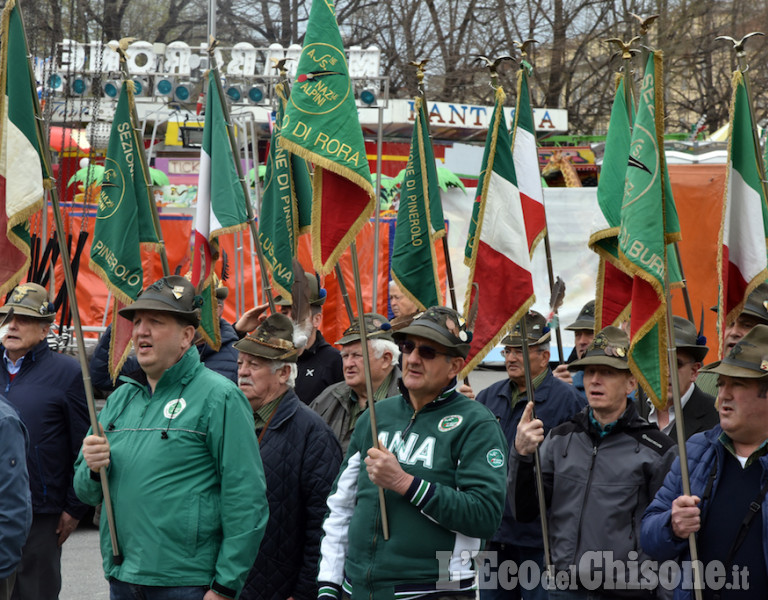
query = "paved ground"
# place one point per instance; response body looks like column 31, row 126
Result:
column 82, row 574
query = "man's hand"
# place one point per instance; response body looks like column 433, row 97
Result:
column 686, row 516
column 67, row 524
column 251, row 319
column 466, row 390
column 530, row 432
column 96, row 451
column 563, row 374
column 384, row 470
column 211, row 595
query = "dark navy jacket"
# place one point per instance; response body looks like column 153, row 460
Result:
column 223, row 362
column 301, row 458
column 48, row 392
column 555, row 403
column 656, row 537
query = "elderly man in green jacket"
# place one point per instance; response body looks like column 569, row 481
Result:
column 183, row 464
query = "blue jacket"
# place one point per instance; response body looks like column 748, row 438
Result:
column 223, row 362
column 301, row 458
column 656, row 534
column 555, row 403
column 48, row 392
column 15, row 502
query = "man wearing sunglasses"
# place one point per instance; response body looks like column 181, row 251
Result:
column 441, row 460
column 555, row 402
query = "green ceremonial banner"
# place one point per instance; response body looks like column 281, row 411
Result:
column 436, row 218
column 286, row 206
column 613, row 293
column 648, row 223
column 124, row 217
column 321, row 125
column 413, row 263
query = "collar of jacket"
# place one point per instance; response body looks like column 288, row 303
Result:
column 447, row 394
column 285, row 409
column 179, row 374
column 629, row 419
column 32, row 356
column 319, row 343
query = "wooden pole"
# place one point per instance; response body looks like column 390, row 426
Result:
column 368, row 382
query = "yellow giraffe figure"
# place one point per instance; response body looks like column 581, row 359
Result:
column 560, row 162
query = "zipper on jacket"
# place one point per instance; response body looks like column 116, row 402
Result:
column 410, row 424
column 586, row 495
column 374, row 540
column 40, row 471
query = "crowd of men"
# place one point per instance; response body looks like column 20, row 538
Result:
column 258, row 471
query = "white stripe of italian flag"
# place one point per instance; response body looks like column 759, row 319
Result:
column 525, row 153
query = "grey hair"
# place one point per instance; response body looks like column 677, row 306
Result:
column 276, row 365
column 380, row 346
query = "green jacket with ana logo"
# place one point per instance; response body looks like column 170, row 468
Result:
column 457, row 453
column 185, row 478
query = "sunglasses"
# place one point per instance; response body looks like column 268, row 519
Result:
column 425, row 352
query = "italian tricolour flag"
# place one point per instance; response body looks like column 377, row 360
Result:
column 742, row 250
column 21, row 171
column 497, row 249
column 220, row 206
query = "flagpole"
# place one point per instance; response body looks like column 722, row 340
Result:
column 679, row 426
column 672, row 370
column 536, row 456
column 377, row 213
column 368, row 381
column 139, row 141
column 547, row 247
column 345, row 293
column 50, row 185
column 266, row 286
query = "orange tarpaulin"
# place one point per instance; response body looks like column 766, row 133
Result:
column 698, row 191
column 177, row 228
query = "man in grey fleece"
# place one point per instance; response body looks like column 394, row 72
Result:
column 600, row 470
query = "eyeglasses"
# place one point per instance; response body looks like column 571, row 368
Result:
column 425, row 352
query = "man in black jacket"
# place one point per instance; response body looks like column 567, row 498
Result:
column 699, row 412
column 47, row 390
column 301, row 457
